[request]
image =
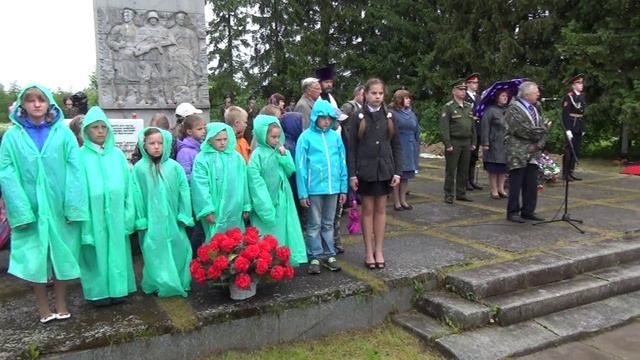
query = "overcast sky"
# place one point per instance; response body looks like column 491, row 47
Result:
column 47, row 41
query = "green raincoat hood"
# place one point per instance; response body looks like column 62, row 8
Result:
column 166, row 143
column 96, row 114
column 52, row 104
column 260, row 126
column 212, row 130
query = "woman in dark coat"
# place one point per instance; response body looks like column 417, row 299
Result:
column 492, row 130
column 408, row 129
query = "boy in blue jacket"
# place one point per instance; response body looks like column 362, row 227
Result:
column 321, row 176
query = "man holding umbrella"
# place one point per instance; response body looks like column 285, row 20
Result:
column 472, row 97
column 458, row 134
column 573, row 106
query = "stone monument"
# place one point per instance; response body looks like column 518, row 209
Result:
column 151, row 56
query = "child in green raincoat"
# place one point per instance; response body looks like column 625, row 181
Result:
column 272, row 199
column 163, row 209
column 46, row 197
column 105, row 255
column 219, row 182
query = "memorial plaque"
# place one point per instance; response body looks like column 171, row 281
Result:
column 151, row 56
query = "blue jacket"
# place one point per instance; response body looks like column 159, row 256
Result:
column 321, row 167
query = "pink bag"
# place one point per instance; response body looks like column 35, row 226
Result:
column 354, row 218
column 5, row 229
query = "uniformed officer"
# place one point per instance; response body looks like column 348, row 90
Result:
column 458, row 134
column 473, row 98
column 573, row 106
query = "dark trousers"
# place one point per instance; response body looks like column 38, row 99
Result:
column 196, row 237
column 568, row 160
column 456, row 167
column 523, row 180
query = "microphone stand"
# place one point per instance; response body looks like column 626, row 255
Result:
column 566, row 217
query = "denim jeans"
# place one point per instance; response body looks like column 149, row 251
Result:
column 319, row 234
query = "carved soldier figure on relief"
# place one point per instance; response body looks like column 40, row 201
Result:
column 184, row 62
column 122, row 39
column 152, row 41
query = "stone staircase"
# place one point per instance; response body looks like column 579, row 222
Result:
column 518, row 307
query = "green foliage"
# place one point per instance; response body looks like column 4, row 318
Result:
column 425, row 44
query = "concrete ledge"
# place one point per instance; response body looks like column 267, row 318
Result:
column 353, row 312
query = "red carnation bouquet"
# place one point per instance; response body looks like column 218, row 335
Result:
column 241, row 258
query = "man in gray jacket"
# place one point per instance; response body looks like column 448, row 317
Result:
column 310, row 93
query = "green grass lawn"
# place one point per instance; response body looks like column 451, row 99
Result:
column 386, row 341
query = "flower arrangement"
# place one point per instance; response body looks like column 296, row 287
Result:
column 549, row 170
column 241, row 258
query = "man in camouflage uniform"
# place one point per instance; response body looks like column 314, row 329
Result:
column 525, row 137
column 573, row 106
column 459, row 137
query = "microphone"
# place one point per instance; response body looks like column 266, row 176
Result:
column 550, row 99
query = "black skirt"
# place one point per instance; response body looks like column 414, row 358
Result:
column 374, row 188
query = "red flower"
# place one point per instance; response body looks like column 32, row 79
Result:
column 197, row 272
column 235, row 234
column 250, row 252
column 194, row 265
column 220, row 262
column 262, row 267
column 283, row 253
column 241, row 264
column 266, row 256
column 252, row 231
column 288, row 272
column 214, row 273
column 203, row 253
column 243, row 281
column 277, row 273
column 272, row 241
column 217, row 238
column 214, row 246
column 227, row 244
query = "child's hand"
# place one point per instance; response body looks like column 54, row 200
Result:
column 245, row 215
column 353, row 183
column 305, row 203
column 342, row 198
column 211, row 218
column 395, row 181
column 282, row 150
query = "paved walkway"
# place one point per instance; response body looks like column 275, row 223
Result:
column 421, row 245
column 621, row 343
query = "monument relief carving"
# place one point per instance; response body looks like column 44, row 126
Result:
column 151, row 59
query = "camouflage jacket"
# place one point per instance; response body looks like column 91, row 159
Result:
column 524, row 138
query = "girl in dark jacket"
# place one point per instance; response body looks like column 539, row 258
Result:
column 375, row 166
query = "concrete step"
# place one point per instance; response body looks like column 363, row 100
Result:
column 541, row 269
column 454, row 310
column 426, row 328
column 529, row 303
column 495, row 342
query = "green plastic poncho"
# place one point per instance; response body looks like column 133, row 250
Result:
column 219, row 184
column 163, row 208
column 105, row 254
column 271, row 196
column 43, row 190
